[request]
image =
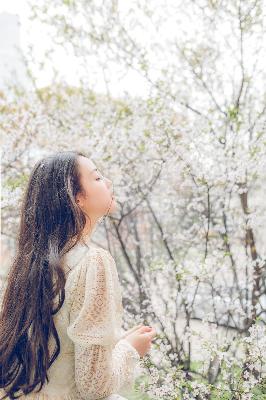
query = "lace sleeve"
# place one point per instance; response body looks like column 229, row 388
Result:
column 104, row 363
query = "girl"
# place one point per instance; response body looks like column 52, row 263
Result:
column 60, row 323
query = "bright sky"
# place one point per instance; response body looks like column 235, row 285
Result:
column 131, row 82
column 67, row 67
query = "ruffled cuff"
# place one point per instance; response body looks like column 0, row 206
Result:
column 127, row 356
column 134, row 354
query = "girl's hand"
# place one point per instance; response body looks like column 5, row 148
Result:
column 130, row 330
column 141, row 339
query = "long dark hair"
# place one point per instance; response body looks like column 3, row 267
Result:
column 50, row 221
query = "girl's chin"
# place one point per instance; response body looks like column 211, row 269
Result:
column 113, row 206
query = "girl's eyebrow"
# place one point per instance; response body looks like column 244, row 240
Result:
column 95, row 169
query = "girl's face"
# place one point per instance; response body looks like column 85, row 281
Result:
column 98, row 190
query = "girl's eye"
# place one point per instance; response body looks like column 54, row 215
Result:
column 97, row 179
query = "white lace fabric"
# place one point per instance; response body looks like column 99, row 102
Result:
column 95, row 360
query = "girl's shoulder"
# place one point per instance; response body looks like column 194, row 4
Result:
column 83, row 253
column 94, row 272
column 87, row 262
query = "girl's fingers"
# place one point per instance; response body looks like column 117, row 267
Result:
column 132, row 329
column 145, row 329
column 152, row 334
column 135, row 328
column 142, row 329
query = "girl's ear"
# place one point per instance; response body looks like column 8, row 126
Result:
column 78, row 200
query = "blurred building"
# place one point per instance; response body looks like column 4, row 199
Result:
column 12, row 67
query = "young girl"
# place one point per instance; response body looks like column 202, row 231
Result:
column 60, row 324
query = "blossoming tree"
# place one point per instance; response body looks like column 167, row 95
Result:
column 188, row 164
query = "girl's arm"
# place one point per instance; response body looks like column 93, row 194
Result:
column 104, row 362
column 101, row 371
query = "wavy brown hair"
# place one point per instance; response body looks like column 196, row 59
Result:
column 50, row 221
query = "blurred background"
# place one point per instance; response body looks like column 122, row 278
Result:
column 168, row 98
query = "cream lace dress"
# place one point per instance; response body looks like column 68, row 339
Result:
column 95, row 361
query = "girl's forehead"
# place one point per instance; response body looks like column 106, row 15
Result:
column 87, row 165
